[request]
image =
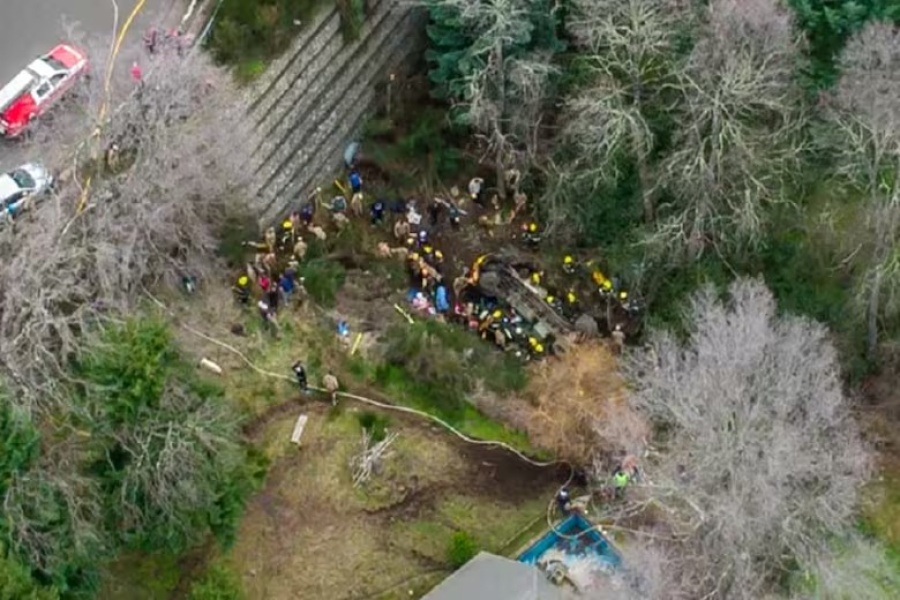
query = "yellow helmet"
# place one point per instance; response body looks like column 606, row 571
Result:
column 570, row 297
column 607, row 284
column 532, row 227
column 568, row 260
column 539, row 347
column 480, row 260
column 413, row 256
column 288, row 224
column 532, row 341
column 439, row 255
column 243, row 280
column 550, row 299
column 536, row 277
column 623, row 295
column 497, row 313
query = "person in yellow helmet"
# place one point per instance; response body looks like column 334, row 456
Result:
column 623, row 295
column 438, row 256
column 241, row 289
column 531, row 234
column 569, row 264
column 287, row 233
column 535, row 278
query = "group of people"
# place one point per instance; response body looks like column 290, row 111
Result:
column 271, row 278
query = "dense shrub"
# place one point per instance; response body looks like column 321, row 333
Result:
column 247, row 30
column 462, row 549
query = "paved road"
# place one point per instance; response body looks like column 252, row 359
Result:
column 31, row 27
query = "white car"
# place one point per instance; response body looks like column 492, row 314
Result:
column 19, row 187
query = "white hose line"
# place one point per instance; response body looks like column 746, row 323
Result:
column 363, row 399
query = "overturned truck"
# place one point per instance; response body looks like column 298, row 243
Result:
column 496, row 276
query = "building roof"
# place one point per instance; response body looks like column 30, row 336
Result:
column 491, row 577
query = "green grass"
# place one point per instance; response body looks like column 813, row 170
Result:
column 141, row 576
column 397, row 386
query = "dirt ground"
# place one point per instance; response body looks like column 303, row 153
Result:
column 310, row 534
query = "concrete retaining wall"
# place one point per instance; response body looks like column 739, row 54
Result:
column 314, row 99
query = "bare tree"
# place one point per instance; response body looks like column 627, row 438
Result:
column 738, row 126
column 630, row 49
column 152, row 184
column 177, row 458
column 866, row 114
column 505, row 91
column 761, row 461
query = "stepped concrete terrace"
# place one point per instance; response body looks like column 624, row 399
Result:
column 315, row 99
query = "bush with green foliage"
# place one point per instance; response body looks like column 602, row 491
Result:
column 462, row 549
column 16, row 582
column 453, row 54
column 439, row 364
column 218, row 583
column 155, row 462
column 246, row 31
column 828, row 25
column 375, row 424
column 323, row 278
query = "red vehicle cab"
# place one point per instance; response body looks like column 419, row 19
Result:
column 36, row 88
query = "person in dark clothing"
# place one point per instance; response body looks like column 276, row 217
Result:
column 300, row 376
column 377, row 211
column 398, row 206
column 273, row 295
column 306, row 213
column 562, row 501
column 434, row 212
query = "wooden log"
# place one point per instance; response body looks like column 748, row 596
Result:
column 299, row 426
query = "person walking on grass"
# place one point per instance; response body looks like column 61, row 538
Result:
column 300, row 375
column 331, row 385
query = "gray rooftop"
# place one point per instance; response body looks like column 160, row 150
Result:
column 491, row 577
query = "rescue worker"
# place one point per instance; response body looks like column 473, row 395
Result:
column 455, row 216
column 331, row 385
column 531, row 234
column 460, row 284
column 270, row 239
column 422, row 237
column 300, row 249
column 604, row 285
column 401, row 229
column 535, row 348
column 570, row 305
column 476, row 190
column 356, row 181
column 242, row 289
column 287, row 233
column 554, row 302
column 356, row 204
column 340, row 220
column 621, row 479
column 307, row 212
column 562, row 501
column 338, row 204
column 377, row 211
column 286, row 286
column 513, row 177
column 266, row 314
column 300, row 376
column 536, row 277
column 569, row 264
column 618, row 337
column 434, row 212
